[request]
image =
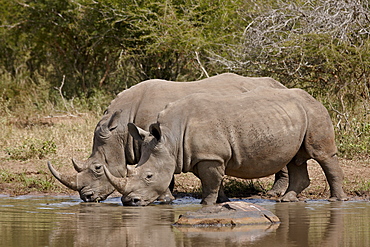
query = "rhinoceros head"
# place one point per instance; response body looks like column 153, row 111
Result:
column 152, row 175
column 90, row 180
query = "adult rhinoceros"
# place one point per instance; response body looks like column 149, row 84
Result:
column 140, row 104
column 249, row 135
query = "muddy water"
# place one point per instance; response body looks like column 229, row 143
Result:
column 66, row 221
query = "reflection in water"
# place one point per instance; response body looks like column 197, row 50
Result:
column 321, row 223
column 63, row 221
column 226, row 236
column 104, row 225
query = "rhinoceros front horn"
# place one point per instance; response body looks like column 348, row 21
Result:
column 69, row 181
column 118, row 183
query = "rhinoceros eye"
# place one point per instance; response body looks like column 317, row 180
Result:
column 149, row 176
column 98, row 169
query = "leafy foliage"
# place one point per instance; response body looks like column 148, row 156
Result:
column 112, row 44
column 90, row 50
column 320, row 46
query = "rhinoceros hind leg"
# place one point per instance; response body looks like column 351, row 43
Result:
column 334, row 175
column 280, row 183
column 298, row 181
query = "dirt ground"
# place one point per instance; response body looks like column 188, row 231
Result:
column 23, row 177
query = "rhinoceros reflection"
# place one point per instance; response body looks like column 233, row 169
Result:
column 113, row 225
column 225, row 236
column 109, row 225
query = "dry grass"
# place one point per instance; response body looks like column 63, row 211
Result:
column 28, row 145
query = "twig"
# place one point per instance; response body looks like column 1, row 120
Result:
column 342, row 115
column 200, row 64
column 68, row 108
column 61, row 93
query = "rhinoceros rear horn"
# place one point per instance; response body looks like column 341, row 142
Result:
column 69, row 181
column 77, row 165
column 118, row 183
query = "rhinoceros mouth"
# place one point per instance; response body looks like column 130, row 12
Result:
column 130, row 203
column 91, row 199
column 88, row 195
column 97, row 200
column 134, row 201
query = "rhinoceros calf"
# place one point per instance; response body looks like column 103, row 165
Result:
column 249, row 135
column 140, row 104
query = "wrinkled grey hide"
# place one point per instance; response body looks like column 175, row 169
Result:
column 250, row 135
column 140, row 104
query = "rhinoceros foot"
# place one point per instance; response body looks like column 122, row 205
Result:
column 291, row 196
column 279, row 188
column 334, row 199
column 276, row 192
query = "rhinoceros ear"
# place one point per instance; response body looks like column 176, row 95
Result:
column 136, row 132
column 155, row 130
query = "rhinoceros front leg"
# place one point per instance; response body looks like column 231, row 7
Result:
column 221, row 195
column 298, row 181
column 280, row 183
column 210, row 174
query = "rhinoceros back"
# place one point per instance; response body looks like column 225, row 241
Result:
column 247, row 132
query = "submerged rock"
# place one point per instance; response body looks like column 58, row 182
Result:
column 228, row 214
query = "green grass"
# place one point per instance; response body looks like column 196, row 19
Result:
column 362, row 188
column 26, row 182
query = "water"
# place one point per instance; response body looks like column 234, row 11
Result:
column 66, row 221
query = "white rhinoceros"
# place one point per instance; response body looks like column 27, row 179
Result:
column 248, row 135
column 140, row 104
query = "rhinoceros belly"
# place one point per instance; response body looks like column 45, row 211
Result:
column 264, row 147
